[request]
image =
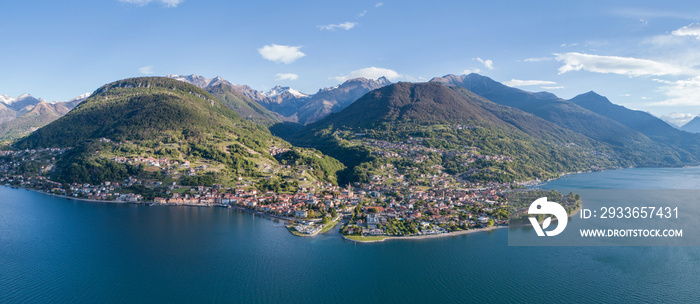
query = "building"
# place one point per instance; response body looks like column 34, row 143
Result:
column 372, row 220
column 301, row 213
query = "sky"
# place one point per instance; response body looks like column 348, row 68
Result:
column 644, row 55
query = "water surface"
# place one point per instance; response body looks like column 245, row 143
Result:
column 58, row 250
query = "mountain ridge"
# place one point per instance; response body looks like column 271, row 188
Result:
column 693, row 126
column 452, row 118
column 163, row 117
column 294, row 105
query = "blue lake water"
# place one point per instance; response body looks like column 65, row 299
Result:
column 58, row 250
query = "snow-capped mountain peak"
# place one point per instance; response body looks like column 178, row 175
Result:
column 7, row 99
column 278, row 90
column 23, row 96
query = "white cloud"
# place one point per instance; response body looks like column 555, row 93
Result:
column 471, row 70
column 360, row 15
column 371, row 73
column 564, row 45
column 146, row 70
column 167, row 3
column 488, row 63
column 286, row 76
column 688, row 30
column 684, row 92
column 617, row 65
column 553, row 87
column 539, row 59
column 379, row 4
column 281, row 53
column 525, row 83
column 332, row 27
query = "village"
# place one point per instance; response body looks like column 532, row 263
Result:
column 437, row 204
column 413, row 148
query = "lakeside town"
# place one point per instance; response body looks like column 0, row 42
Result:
column 438, row 204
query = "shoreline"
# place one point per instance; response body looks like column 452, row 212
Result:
column 328, row 227
column 535, row 183
column 429, row 236
column 255, row 212
column 274, row 217
column 76, row 198
column 149, row 203
column 284, row 219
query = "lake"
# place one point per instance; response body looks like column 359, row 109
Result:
column 59, row 250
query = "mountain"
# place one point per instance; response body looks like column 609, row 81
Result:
column 305, row 108
column 131, row 110
column 496, row 91
column 165, row 118
column 407, row 103
column 36, row 117
column 30, row 114
column 693, row 126
column 4, row 99
column 11, row 108
column 461, row 126
column 77, row 100
column 243, row 105
column 335, row 99
column 199, row 81
column 22, row 102
column 280, row 92
column 290, row 104
column 643, row 122
column 283, row 100
column 6, row 114
column 239, row 98
column 595, row 117
column 548, row 106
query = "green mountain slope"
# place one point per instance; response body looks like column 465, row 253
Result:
column 643, row 122
column 545, row 105
column 243, row 105
column 463, row 133
column 632, row 145
column 165, row 118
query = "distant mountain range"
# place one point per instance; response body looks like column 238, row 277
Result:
column 693, row 126
column 291, row 104
column 591, row 115
column 24, row 114
column 466, row 125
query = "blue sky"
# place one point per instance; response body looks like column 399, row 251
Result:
column 641, row 54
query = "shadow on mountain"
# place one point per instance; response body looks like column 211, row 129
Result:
column 286, row 129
